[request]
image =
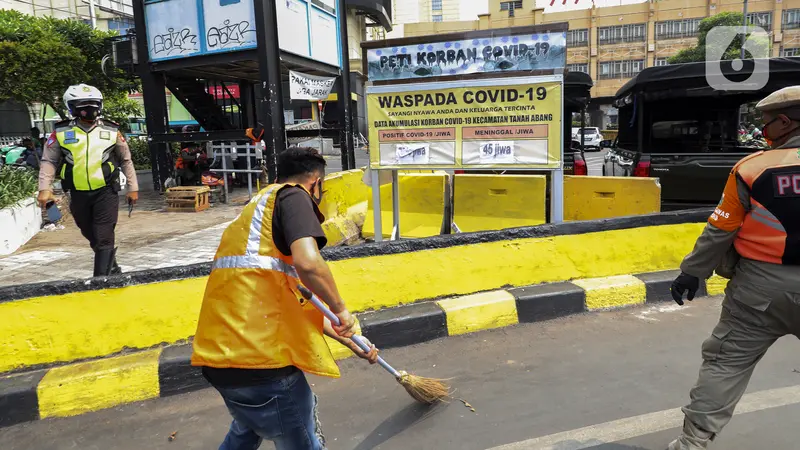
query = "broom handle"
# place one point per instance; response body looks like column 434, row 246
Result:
column 310, row 296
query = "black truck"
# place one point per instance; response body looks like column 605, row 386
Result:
column 674, row 126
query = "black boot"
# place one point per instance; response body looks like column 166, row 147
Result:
column 103, row 260
column 115, row 268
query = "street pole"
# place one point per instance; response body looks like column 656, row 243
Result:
column 270, row 100
column 744, row 30
column 345, row 115
column 92, row 16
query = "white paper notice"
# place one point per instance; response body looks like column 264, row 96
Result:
column 497, row 152
column 413, row 153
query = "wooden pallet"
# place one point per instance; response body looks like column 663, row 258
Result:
column 187, row 199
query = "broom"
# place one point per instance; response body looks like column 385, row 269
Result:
column 421, row 389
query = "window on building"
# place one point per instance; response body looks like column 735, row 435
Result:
column 436, row 5
column 672, row 29
column 578, row 67
column 660, row 62
column 121, row 25
column 635, row 32
column 508, row 6
column 790, row 52
column 791, row 19
column 578, row 38
column 436, row 18
column 620, row 69
column 761, row 19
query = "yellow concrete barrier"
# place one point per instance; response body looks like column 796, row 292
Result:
column 588, row 198
column 422, row 204
column 94, row 323
column 497, row 202
column 344, row 206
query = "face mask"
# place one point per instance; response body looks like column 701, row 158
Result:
column 770, row 139
column 318, row 197
column 87, row 112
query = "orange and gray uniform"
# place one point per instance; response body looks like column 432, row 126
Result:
column 753, row 238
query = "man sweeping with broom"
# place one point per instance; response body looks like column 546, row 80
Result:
column 257, row 334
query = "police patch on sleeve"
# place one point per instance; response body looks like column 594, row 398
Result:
column 786, row 184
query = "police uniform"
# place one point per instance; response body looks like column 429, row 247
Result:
column 88, row 158
column 753, row 238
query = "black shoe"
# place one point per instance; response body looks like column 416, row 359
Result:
column 115, row 268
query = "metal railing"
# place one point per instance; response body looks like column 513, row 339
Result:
column 229, row 152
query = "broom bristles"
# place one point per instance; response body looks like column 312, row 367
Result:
column 424, row 390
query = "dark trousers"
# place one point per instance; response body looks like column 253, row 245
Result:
column 96, row 213
column 282, row 410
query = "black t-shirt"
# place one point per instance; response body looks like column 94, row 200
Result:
column 293, row 219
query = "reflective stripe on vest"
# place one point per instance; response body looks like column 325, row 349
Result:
column 85, row 153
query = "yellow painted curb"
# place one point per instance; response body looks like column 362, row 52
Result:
column 91, row 386
column 477, row 312
column 716, row 285
column 613, row 292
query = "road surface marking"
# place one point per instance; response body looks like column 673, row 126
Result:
column 647, row 313
column 622, row 429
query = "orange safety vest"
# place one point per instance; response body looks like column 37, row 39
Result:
column 770, row 230
column 252, row 316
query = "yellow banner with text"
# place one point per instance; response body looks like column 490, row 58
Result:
column 504, row 126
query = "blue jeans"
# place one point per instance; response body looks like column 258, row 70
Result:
column 282, row 410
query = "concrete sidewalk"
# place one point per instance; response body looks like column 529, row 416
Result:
column 151, row 238
column 573, row 383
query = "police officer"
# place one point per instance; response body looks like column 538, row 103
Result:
column 89, row 153
column 752, row 238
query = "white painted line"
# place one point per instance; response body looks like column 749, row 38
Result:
column 622, row 429
column 647, row 313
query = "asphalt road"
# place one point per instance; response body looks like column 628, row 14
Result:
column 567, row 384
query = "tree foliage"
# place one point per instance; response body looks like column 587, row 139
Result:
column 732, row 49
column 41, row 56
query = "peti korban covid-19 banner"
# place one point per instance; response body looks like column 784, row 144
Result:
column 495, row 54
column 493, row 123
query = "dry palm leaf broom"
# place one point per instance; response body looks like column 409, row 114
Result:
column 421, row 389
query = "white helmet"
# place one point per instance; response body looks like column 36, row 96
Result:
column 80, row 93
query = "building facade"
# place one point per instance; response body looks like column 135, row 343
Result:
column 614, row 43
column 406, row 12
column 114, row 15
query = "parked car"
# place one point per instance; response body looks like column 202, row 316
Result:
column 592, row 138
column 674, row 126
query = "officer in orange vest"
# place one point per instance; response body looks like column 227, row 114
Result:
column 752, row 238
column 256, row 335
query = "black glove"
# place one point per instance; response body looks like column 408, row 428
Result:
column 684, row 282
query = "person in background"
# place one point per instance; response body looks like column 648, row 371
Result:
column 32, row 155
column 256, row 334
column 38, row 138
column 88, row 152
column 753, row 239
